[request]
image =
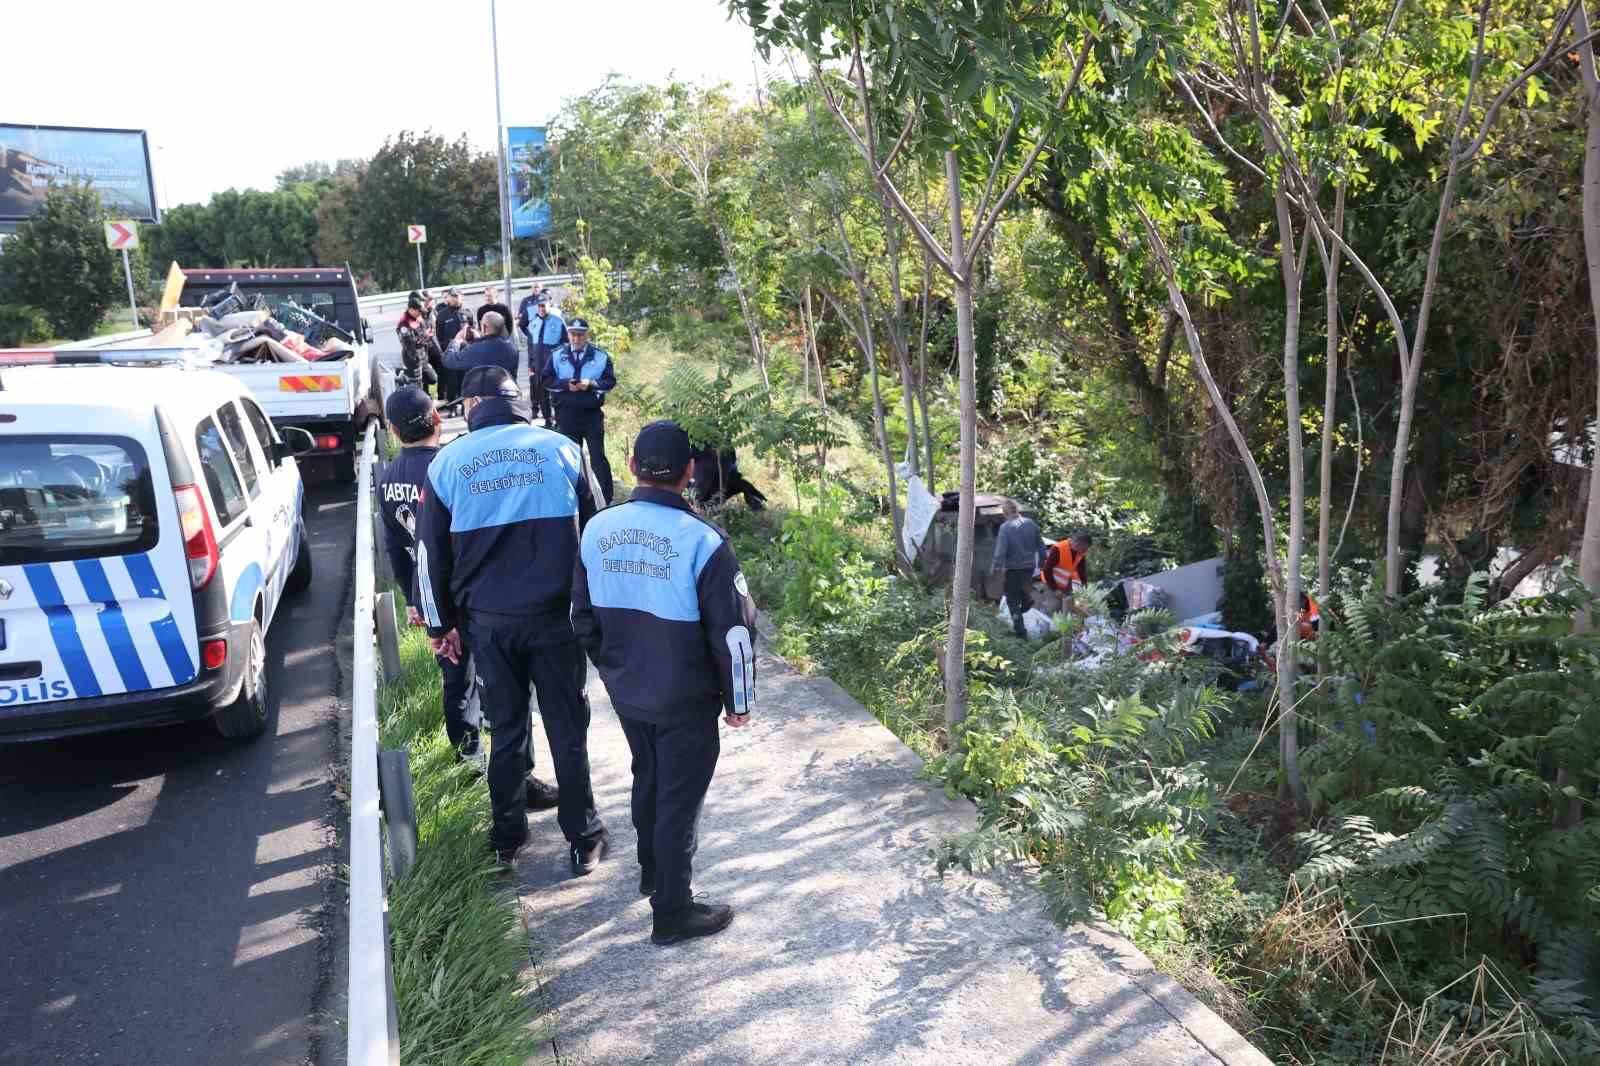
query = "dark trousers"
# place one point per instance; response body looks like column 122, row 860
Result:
column 538, row 395
column 589, row 427
column 459, row 697
column 449, row 383
column 1018, row 597
column 672, row 768
column 512, row 662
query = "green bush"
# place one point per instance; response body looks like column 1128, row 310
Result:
column 21, row 324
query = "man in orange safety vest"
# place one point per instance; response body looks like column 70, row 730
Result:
column 1066, row 565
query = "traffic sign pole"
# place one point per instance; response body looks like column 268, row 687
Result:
column 133, row 304
column 421, row 282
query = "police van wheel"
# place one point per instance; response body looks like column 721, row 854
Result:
column 246, row 717
column 300, row 576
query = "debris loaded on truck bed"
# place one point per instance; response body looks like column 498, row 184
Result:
column 234, row 327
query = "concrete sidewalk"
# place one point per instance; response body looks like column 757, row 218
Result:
column 845, row 948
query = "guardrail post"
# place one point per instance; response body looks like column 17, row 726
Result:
column 399, row 810
column 388, row 637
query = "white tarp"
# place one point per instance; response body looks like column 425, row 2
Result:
column 921, row 506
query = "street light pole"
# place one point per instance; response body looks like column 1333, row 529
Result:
column 500, row 145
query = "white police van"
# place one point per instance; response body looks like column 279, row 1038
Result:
column 150, row 525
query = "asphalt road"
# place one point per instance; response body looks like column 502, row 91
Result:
column 169, row 897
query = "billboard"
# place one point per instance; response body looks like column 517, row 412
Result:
column 530, row 214
column 115, row 162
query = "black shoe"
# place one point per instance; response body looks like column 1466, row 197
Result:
column 585, row 857
column 647, row 881
column 505, row 856
column 542, row 796
column 695, row 920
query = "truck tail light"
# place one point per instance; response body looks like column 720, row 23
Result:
column 328, row 442
column 199, row 542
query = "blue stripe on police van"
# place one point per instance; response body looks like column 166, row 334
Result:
column 173, row 647
column 63, row 629
column 242, row 607
column 113, row 625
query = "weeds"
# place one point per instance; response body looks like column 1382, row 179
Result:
column 458, row 944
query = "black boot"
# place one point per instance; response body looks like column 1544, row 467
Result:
column 695, row 920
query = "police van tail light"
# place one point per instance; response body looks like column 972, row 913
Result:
column 199, row 542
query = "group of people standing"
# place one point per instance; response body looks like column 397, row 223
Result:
column 568, row 378
column 518, row 572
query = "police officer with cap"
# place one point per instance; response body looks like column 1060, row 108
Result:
column 415, row 422
column 578, row 377
column 663, row 611
column 501, row 512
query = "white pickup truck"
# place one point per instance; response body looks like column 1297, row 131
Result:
column 330, row 397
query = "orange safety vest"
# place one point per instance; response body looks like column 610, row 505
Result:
column 1068, row 568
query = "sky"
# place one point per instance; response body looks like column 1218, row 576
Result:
column 232, row 93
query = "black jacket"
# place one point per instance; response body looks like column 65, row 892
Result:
column 505, row 316
column 501, row 513
column 400, row 503
column 447, row 322
column 485, row 351
column 660, row 606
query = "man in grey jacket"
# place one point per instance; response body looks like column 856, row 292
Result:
column 1016, row 552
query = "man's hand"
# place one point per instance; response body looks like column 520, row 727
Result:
column 413, row 617
column 449, row 646
column 737, row 721
column 574, row 386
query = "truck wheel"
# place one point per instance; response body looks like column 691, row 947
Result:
column 300, row 576
column 246, row 717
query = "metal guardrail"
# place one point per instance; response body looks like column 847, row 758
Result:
column 373, row 1038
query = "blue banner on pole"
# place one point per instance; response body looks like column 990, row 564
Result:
column 525, row 151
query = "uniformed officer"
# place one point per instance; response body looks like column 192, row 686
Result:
column 415, row 423
column 663, row 611
column 578, row 377
column 501, row 513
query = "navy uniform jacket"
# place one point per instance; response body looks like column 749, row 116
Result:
column 485, row 351
column 500, row 518
column 400, row 503
column 663, row 611
column 594, row 364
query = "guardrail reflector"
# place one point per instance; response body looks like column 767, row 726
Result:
column 310, row 383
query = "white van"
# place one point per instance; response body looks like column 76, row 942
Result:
column 150, row 524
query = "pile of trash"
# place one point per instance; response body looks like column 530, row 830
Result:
column 232, row 327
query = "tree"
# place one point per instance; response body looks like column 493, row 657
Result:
column 58, row 262
column 320, row 172
column 428, row 180
column 965, row 78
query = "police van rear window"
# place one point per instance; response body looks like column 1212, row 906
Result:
column 65, row 497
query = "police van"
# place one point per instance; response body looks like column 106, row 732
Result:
column 150, row 527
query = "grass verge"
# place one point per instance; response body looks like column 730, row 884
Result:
column 459, row 946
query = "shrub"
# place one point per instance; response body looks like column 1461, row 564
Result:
column 22, row 324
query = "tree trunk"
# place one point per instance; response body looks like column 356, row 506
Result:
column 922, row 367
column 1289, row 606
column 1589, row 557
column 955, row 661
column 897, row 330
column 752, row 327
column 1330, row 401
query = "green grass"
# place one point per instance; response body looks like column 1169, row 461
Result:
column 459, row 947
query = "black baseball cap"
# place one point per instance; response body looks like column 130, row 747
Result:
column 409, row 411
column 482, row 381
column 581, row 325
column 662, row 451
